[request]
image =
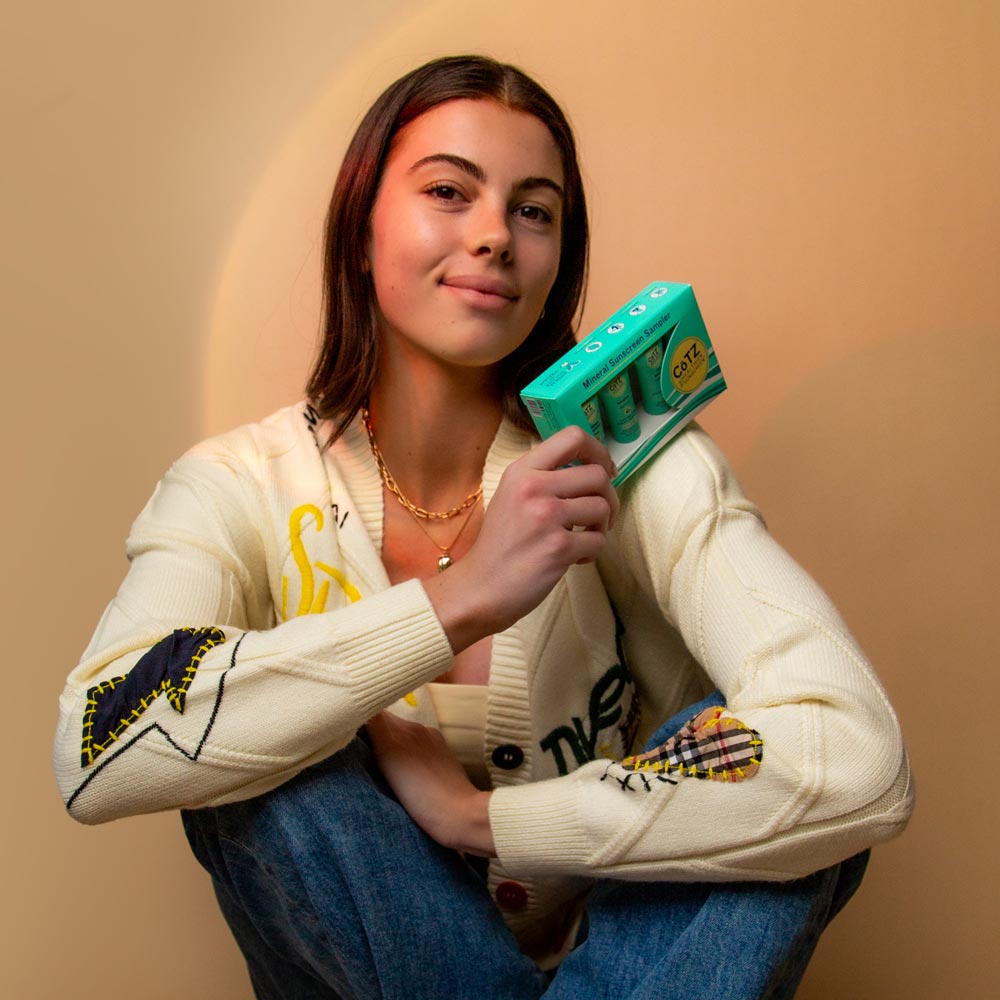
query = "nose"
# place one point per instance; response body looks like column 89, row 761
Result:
column 489, row 234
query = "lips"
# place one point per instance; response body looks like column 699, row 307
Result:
column 483, row 285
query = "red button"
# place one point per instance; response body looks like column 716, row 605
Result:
column 511, row 896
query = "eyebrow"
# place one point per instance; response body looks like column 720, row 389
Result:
column 477, row 173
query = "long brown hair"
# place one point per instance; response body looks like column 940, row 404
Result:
column 349, row 357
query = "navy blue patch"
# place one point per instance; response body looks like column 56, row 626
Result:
column 168, row 668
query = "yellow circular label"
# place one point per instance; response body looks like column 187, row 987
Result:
column 689, row 364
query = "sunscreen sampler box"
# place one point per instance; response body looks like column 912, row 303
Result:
column 636, row 380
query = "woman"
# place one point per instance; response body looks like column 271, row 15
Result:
column 311, row 598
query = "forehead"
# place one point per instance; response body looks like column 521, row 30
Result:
column 497, row 138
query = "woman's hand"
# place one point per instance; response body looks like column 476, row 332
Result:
column 546, row 515
column 431, row 785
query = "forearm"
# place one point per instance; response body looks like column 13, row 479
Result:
column 472, row 832
column 258, row 708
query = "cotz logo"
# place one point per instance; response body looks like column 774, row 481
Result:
column 688, row 364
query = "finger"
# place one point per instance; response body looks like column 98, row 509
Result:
column 587, row 545
column 591, row 513
column 586, row 480
column 571, row 444
column 578, row 480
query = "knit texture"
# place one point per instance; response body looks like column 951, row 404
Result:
column 274, row 542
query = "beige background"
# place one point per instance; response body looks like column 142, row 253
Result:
column 825, row 174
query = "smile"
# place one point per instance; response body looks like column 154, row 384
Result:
column 481, row 292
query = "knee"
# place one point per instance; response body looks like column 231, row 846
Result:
column 294, row 817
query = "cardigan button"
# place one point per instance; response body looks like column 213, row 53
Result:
column 511, row 896
column 508, row 756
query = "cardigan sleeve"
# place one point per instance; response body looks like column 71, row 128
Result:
column 806, row 764
column 190, row 695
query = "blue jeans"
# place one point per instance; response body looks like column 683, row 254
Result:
column 333, row 892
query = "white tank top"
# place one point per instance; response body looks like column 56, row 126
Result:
column 461, row 716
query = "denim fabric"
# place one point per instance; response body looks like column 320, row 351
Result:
column 332, row 892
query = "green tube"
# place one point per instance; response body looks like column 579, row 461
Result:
column 592, row 411
column 648, row 369
column 619, row 406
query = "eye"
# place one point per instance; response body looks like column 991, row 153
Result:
column 443, row 192
column 534, row 213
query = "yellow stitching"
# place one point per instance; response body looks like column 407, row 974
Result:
column 724, row 774
column 88, row 715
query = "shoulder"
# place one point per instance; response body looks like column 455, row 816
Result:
column 243, row 472
column 689, row 478
column 286, row 435
column 686, row 490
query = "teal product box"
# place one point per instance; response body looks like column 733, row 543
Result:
column 658, row 343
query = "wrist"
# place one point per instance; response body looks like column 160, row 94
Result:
column 476, row 834
column 462, row 606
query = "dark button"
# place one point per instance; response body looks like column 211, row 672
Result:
column 508, row 756
column 511, row 896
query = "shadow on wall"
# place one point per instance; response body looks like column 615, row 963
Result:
column 880, row 475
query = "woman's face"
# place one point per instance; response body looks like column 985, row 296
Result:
column 466, row 232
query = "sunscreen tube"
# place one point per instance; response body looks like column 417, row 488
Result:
column 619, row 405
column 647, row 370
column 592, row 412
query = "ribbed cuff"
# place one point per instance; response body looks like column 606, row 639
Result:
column 396, row 644
column 536, row 829
column 383, row 646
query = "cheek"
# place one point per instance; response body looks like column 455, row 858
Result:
column 548, row 268
column 401, row 248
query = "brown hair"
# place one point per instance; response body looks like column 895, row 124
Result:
column 349, row 357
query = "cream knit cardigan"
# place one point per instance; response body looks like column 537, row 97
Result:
column 276, row 541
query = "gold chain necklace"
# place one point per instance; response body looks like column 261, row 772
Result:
column 393, row 488
column 391, row 485
column 419, row 513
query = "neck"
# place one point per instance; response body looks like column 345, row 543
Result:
column 434, row 428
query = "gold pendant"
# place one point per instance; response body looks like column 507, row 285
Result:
column 444, row 562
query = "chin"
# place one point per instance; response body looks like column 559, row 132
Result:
column 485, row 350
column 483, row 358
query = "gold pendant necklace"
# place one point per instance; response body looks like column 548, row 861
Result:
column 445, row 560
